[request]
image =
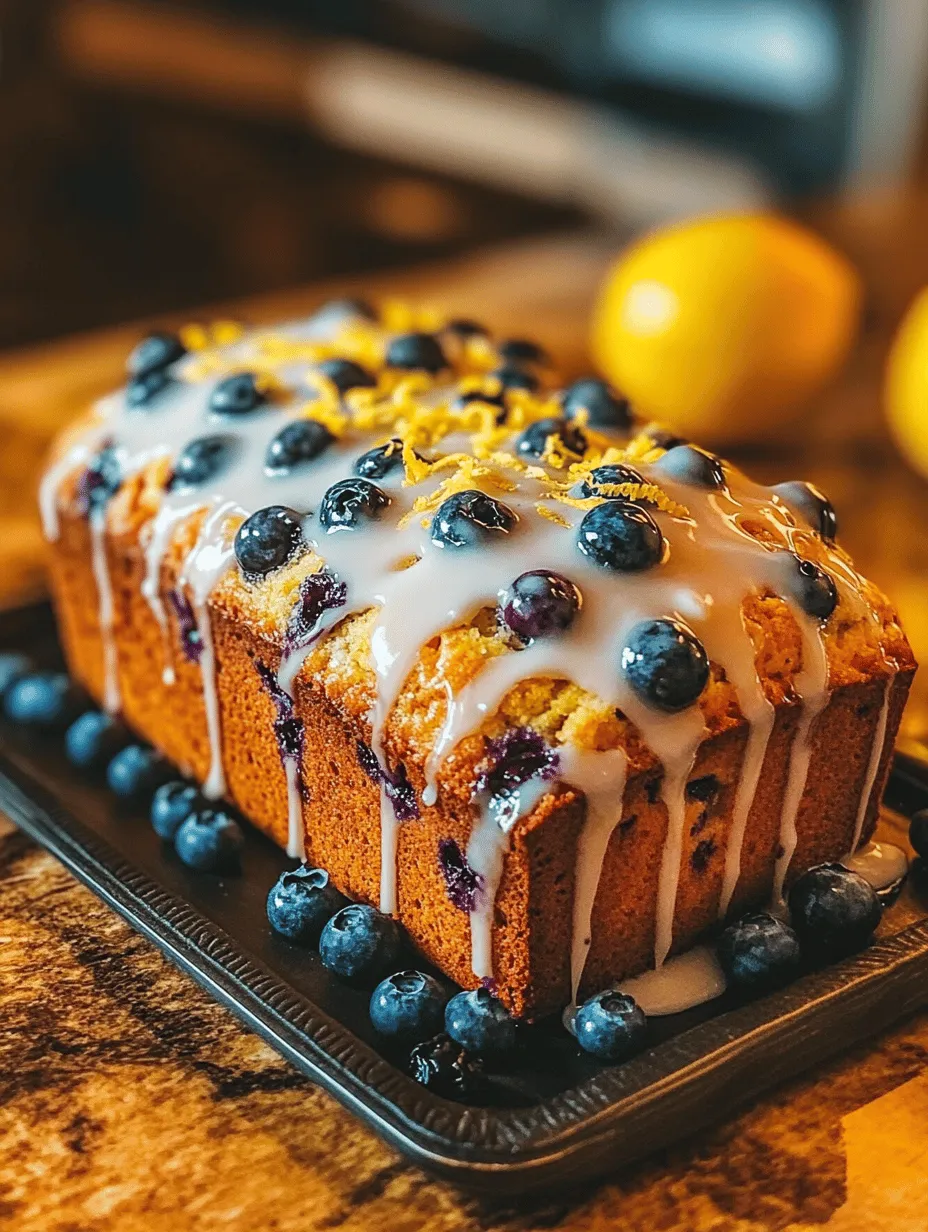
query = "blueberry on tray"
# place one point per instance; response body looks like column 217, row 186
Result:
column 758, row 953
column 171, row 805
column 611, row 1026
column 93, row 739
column 409, row 1005
column 359, row 943
column 479, row 1022
column 834, row 911
column 42, row 699
column 301, row 902
column 136, row 771
column 210, row 842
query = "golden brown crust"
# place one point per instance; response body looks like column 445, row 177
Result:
column 341, row 807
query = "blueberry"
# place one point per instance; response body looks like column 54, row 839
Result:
column 301, row 440
column 465, row 328
column 13, row 666
column 239, row 394
column 918, row 832
column 335, row 310
column 171, row 805
column 478, row 395
column 663, row 439
column 834, row 911
column 622, row 536
column 480, row 1022
column 210, row 842
column 43, row 699
column 600, row 476
column 409, row 1005
column 202, row 460
column 540, row 604
column 522, row 351
column 604, row 407
column 93, row 739
column 268, row 539
column 758, row 952
column 381, row 461
column 155, row 352
column 416, row 351
column 510, row 376
column 469, row 519
column 532, row 442
column 345, row 374
column 359, row 943
column 812, row 588
column 135, row 771
column 447, row 1069
column 101, row 480
column 692, row 465
column 143, row 390
column 665, row 664
column 811, row 505
column 611, row 1026
column 350, row 503
column 301, row 902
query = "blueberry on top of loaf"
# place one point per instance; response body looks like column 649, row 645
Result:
column 505, row 557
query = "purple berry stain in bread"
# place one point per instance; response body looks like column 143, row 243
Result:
column 319, row 593
column 702, row 855
column 191, row 642
column 400, row 792
column 514, row 759
column 462, row 884
column 288, row 728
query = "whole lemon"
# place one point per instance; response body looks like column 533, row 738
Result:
column 907, row 384
column 723, row 327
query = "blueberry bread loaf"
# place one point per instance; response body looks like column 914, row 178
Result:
column 556, row 689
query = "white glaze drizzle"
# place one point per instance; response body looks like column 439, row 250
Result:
column 811, row 685
column 601, row 778
column 677, row 769
column 679, row 984
column 101, row 573
column 882, row 864
column 486, row 853
column 873, row 765
column 760, row 715
column 211, row 556
column 713, row 561
column 79, row 454
column 296, row 844
column 163, row 525
column 684, row 981
column 389, row 841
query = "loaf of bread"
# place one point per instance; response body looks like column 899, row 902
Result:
column 558, row 690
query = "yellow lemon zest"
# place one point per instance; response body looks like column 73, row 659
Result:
column 224, row 333
column 194, row 336
column 329, row 415
column 553, row 516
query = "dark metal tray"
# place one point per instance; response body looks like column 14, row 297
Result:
column 557, row 1117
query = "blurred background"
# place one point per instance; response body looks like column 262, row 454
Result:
column 496, row 154
column 157, row 155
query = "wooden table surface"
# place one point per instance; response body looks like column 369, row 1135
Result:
column 129, row 1100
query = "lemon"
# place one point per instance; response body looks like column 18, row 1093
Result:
column 907, row 384
column 723, row 327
